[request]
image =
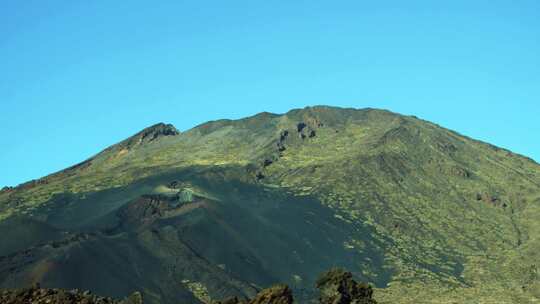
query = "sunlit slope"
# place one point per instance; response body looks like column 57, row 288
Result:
column 424, row 211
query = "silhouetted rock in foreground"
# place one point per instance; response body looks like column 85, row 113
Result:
column 338, row 287
column 36, row 295
column 279, row 294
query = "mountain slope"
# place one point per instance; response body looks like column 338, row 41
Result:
column 417, row 210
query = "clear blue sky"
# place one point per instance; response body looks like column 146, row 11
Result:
column 78, row 76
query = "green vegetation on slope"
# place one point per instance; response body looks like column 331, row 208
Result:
column 449, row 218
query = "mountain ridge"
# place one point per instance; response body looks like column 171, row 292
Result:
column 415, row 209
column 162, row 125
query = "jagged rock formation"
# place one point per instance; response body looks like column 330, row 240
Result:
column 151, row 133
column 338, row 287
column 278, row 294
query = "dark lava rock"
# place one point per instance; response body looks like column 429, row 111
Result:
column 300, row 127
column 338, row 287
column 305, row 130
column 37, row 295
column 267, row 162
column 148, row 208
column 159, row 130
column 148, row 135
column 283, row 135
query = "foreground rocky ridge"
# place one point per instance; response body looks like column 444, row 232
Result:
column 37, row 295
column 336, row 287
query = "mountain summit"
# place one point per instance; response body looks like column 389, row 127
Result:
column 227, row 207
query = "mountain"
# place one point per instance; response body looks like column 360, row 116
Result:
column 231, row 206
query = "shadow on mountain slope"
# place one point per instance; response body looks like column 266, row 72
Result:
column 200, row 235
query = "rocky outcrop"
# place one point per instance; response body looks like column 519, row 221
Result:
column 338, row 287
column 6, row 189
column 148, row 208
column 148, row 135
column 267, row 162
column 158, row 130
column 37, row 295
column 307, row 130
column 281, row 142
column 490, row 199
column 486, row 197
column 259, row 175
column 283, row 135
column 278, row 294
